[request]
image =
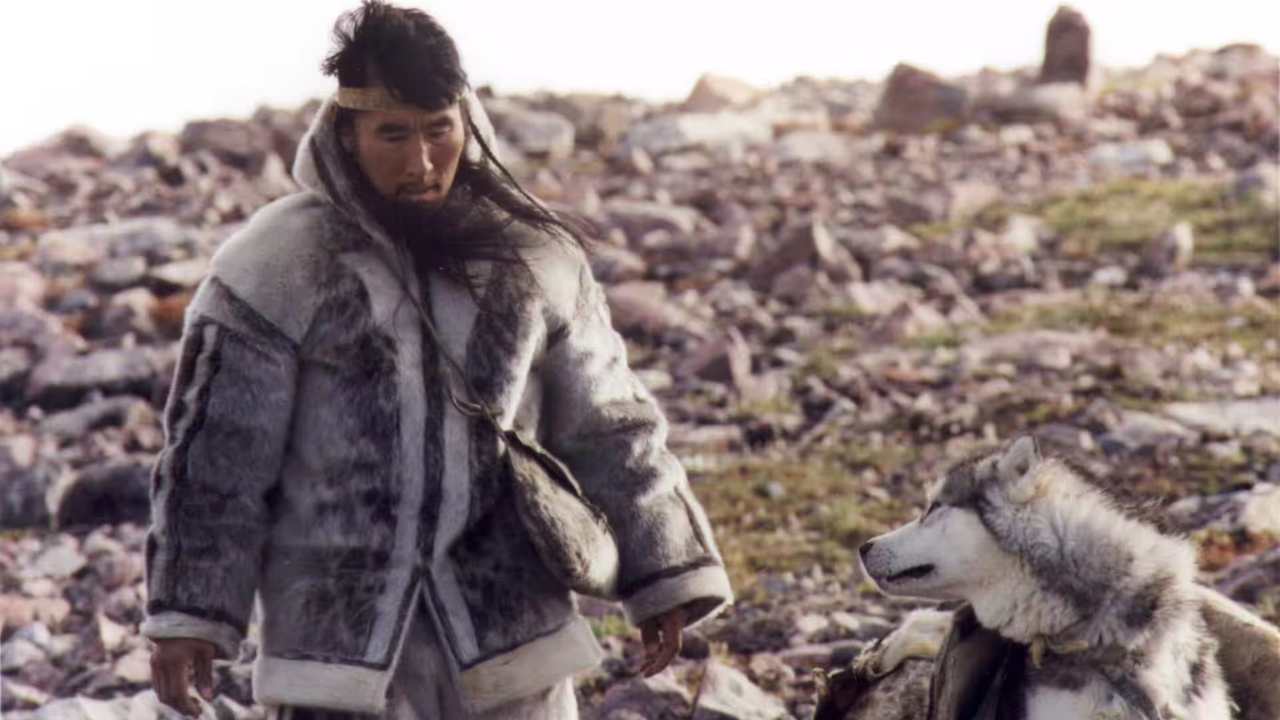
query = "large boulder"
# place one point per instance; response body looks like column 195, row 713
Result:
column 918, row 101
column 718, row 92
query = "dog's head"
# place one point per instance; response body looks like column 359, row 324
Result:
column 949, row 552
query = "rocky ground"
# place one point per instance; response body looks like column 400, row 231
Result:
column 835, row 287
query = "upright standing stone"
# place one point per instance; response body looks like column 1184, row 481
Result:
column 1066, row 48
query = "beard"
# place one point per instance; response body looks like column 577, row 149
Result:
column 445, row 236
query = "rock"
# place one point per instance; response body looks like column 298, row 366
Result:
column 1109, row 276
column 909, row 321
column 57, row 562
column 17, row 653
column 59, row 252
column 1261, row 513
column 1262, row 181
column 157, row 239
column 242, row 145
column 725, row 359
column 134, row 667
column 637, row 218
column 22, row 696
column 119, row 411
column 15, row 612
column 80, row 708
column 688, row 440
column 727, row 694
column 880, row 297
column 810, row 243
column 62, row 380
column 694, row 646
column 1066, row 48
column 109, row 492
column 814, row 146
column 38, row 331
column 711, row 131
column 612, row 264
column 917, row 101
column 657, row 696
column 128, row 311
column 1022, row 233
column 21, row 285
column 1229, row 417
column 112, row 635
column 807, row 657
column 1064, row 103
column 180, row 275
column 811, row 624
column 1137, row 429
column 534, row 133
column 643, row 307
column 1131, row 158
column 713, row 93
column 119, row 273
column 1171, row 252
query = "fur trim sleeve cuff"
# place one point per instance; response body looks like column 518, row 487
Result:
column 705, row 591
column 180, row 625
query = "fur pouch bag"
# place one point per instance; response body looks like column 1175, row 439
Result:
column 572, row 536
column 569, row 533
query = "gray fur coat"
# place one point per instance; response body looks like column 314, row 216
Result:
column 312, row 458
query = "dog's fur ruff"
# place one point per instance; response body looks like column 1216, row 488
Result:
column 1106, row 604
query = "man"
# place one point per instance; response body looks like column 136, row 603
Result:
column 313, row 455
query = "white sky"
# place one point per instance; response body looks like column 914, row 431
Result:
column 124, row 66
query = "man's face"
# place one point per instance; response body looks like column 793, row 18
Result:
column 410, row 156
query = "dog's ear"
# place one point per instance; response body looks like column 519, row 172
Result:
column 1014, row 468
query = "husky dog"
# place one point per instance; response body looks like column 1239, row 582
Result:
column 1105, row 604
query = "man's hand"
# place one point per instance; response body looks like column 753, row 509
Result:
column 661, row 635
column 171, row 663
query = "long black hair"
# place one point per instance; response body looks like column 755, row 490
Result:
column 408, row 52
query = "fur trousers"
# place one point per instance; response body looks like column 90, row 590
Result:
column 422, row 690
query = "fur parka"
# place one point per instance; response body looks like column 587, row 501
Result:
column 312, row 459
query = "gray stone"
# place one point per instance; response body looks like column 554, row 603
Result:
column 180, row 275
column 1137, row 429
column 643, row 307
column 727, row 694
column 652, row 697
column 21, row 285
column 712, row 131
column 242, row 145
column 61, row 381
column 134, row 667
column 917, row 101
column 128, row 311
column 1131, row 158
column 1171, row 251
column 638, row 217
column 57, row 562
column 81, row 708
column 108, row 492
column 1229, row 417
column 17, row 653
column 612, row 264
column 118, row 411
column 119, row 273
column 1109, row 276
column 22, row 695
column 814, row 146
column 537, row 134
column 713, row 93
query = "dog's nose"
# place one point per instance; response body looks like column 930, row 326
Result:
column 866, row 548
